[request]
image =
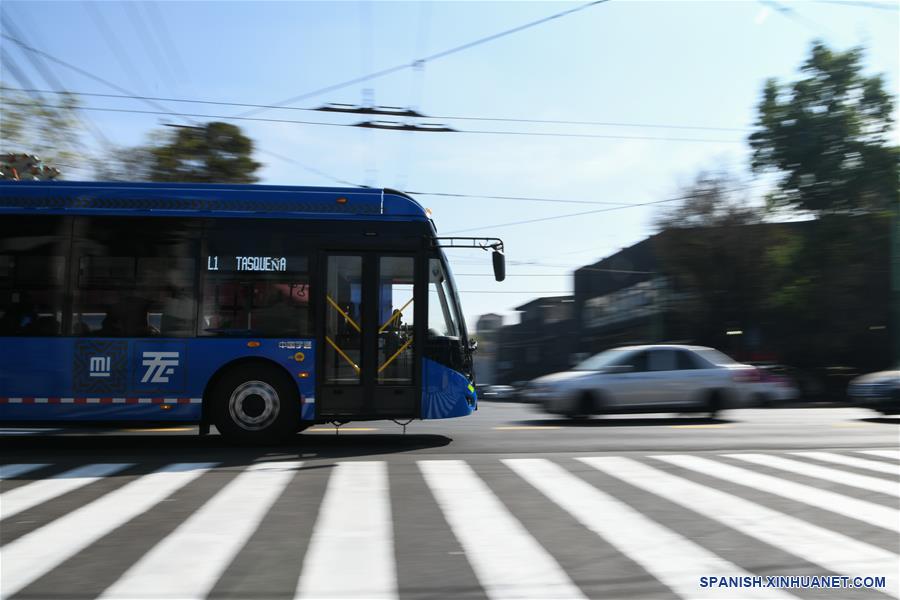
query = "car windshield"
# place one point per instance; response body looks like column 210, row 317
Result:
column 602, row 360
column 715, row 357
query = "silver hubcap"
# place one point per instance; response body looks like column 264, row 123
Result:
column 253, row 405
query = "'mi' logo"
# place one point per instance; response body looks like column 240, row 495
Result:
column 99, row 366
column 160, row 365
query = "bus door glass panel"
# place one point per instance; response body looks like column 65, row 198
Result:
column 343, row 321
column 395, row 317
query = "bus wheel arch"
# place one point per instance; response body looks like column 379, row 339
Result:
column 252, row 401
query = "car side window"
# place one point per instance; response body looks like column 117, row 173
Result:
column 637, row 361
column 686, row 360
column 662, row 360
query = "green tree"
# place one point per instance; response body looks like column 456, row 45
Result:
column 826, row 135
column 50, row 131
column 710, row 247
column 214, row 153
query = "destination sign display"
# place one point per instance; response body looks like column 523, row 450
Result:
column 256, row 264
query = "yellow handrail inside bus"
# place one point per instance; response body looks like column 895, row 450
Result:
column 396, row 314
column 395, row 355
column 341, row 310
column 343, row 354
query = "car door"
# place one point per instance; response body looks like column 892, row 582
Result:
column 627, row 388
column 662, row 382
column 693, row 377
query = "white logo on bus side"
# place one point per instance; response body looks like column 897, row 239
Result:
column 159, row 366
column 99, row 366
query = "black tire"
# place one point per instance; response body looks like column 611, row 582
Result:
column 714, row 404
column 584, row 407
column 256, row 405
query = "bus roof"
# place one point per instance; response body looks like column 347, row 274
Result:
column 207, row 199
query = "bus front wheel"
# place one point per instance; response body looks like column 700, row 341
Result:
column 255, row 404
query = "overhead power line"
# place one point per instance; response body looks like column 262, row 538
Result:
column 50, row 77
column 516, row 198
column 423, row 60
column 419, row 129
column 587, row 212
column 84, row 73
column 148, row 101
column 408, row 112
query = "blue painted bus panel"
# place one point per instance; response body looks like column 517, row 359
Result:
column 132, row 379
column 213, row 200
column 446, row 393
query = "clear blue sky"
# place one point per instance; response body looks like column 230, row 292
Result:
column 671, row 63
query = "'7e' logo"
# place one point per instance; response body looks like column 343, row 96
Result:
column 160, row 365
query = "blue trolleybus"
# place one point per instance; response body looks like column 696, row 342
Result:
column 258, row 309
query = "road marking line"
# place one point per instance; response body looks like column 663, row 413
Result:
column 188, row 562
column 14, row 470
column 866, row 482
column 895, row 454
column 507, row 560
column 851, row 461
column 342, row 429
column 158, row 429
column 42, row 550
column 711, row 426
column 38, row 492
column 527, row 428
column 851, row 424
column 828, row 549
column 674, row 560
column 868, row 512
column 353, row 530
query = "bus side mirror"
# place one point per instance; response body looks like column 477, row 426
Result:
column 499, row 265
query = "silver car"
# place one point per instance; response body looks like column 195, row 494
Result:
column 659, row 378
column 880, row 391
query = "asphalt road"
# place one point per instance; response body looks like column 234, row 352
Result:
column 508, row 503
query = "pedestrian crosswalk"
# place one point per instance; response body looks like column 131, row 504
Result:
column 653, row 525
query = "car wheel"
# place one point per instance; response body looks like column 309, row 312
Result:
column 714, row 403
column 584, row 407
column 256, row 404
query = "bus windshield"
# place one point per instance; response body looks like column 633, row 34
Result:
column 444, row 318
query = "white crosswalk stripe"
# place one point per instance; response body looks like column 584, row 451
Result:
column 354, row 530
column 509, row 562
column 851, row 461
column 869, row 512
column 895, row 454
column 38, row 492
column 32, row 555
column 865, row 482
column 676, row 561
column 14, row 470
column 829, row 549
column 188, row 562
column 352, row 551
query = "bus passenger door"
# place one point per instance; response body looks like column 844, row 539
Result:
column 396, row 375
column 367, row 337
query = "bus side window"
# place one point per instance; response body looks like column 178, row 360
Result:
column 32, row 275
column 255, row 283
column 134, row 281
